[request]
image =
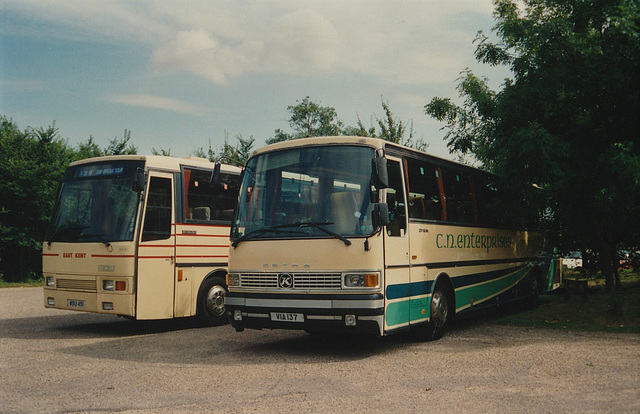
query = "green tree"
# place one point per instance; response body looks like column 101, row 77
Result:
column 568, row 120
column 394, row 130
column 230, row 154
column 117, row 146
column 359, row 130
column 121, row 146
column 88, row 149
column 309, row 119
column 163, row 152
column 32, row 164
column 238, row 154
column 210, row 154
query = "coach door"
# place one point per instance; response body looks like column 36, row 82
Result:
column 156, row 253
column 396, row 250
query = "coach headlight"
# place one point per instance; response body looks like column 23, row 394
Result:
column 361, row 280
column 114, row 285
column 51, row 281
column 233, row 279
column 108, row 285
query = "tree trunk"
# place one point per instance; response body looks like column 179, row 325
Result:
column 615, row 263
column 607, row 269
column 605, row 259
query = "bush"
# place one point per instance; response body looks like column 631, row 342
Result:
column 32, row 164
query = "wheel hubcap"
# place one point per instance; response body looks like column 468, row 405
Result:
column 439, row 308
column 215, row 301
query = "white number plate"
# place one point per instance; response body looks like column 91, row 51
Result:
column 287, row 317
column 73, row 303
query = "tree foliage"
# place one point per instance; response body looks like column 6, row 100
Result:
column 162, row 152
column 568, row 120
column 117, row 146
column 121, row 146
column 230, row 154
column 394, row 130
column 89, row 149
column 31, row 166
column 309, row 119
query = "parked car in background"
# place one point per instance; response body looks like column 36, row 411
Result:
column 628, row 259
column 572, row 261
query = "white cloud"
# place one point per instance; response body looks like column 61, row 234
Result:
column 400, row 42
column 159, row 102
column 394, row 41
column 298, row 42
column 198, row 52
column 302, row 40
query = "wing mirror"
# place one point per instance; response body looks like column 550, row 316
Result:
column 139, row 180
column 380, row 215
column 380, row 173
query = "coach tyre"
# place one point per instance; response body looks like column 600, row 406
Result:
column 440, row 315
column 535, row 284
column 439, row 311
column 211, row 302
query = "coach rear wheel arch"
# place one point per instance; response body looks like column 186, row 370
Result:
column 211, row 308
column 441, row 308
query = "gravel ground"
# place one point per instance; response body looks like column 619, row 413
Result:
column 68, row 362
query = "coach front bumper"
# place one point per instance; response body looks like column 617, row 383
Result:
column 361, row 313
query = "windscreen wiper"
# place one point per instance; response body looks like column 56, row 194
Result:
column 318, row 225
column 299, row 224
column 272, row 229
column 67, row 233
column 97, row 236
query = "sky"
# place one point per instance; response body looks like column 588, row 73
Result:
column 183, row 75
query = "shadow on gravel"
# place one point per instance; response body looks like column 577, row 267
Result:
column 88, row 326
column 330, row 346
column 223, row 346
column 185, row 341
column 125, row 328
column 491, row 314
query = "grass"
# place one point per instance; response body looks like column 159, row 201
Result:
column 599, row 312
column 27, row 283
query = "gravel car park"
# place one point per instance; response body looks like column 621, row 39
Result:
column 66, row 362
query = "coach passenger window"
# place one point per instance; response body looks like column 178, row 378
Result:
column 458, row 196
column 207, row 201
column 395, row 200
column 489, row 206
column 424, row 196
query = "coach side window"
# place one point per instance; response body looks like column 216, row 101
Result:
column 490, row 209
column 208, row 201
column 424, row 195
column 458, row 192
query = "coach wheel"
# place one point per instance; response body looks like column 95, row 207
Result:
column 211, row 309
column 534, row 286
column 441, row 311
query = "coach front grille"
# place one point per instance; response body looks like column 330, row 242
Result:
column 301, row 281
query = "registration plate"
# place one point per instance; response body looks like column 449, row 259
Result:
column 287, row 317
column 73, row 303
